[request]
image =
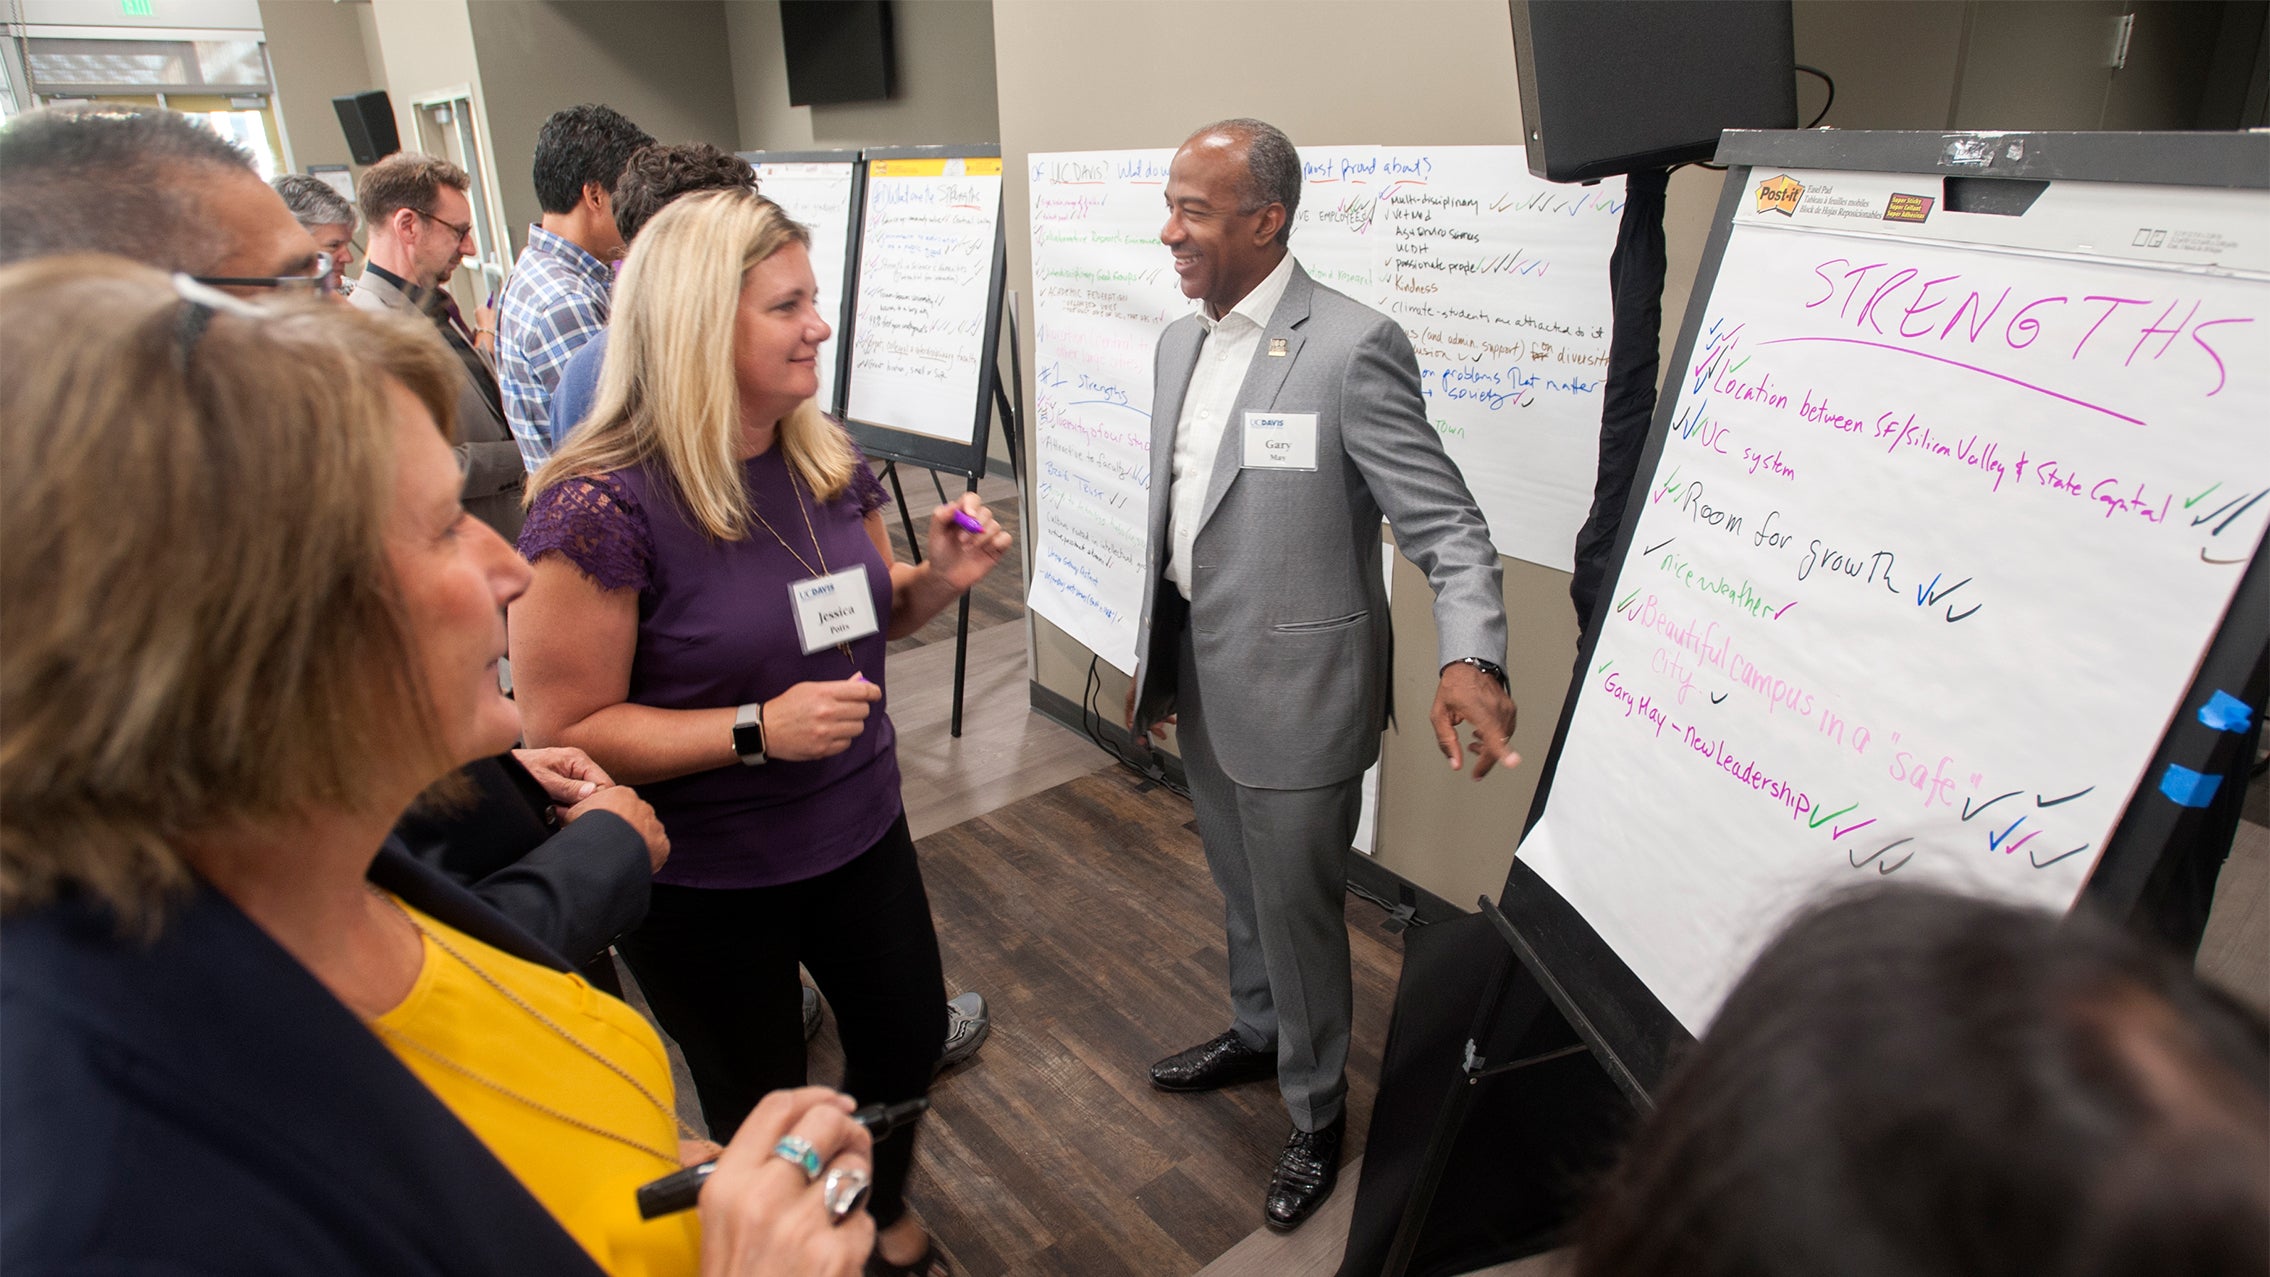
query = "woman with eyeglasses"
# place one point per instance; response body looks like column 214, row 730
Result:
column 244, row 622
column 713, row 592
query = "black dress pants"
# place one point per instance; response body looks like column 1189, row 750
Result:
column 719, row 969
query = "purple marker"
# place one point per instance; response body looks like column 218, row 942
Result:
column 967, row 523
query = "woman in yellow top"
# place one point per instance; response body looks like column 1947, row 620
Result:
column 244, row 622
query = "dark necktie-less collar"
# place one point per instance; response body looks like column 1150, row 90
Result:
column 401, row 285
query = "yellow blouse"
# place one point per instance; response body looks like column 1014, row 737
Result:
column 586, row 1180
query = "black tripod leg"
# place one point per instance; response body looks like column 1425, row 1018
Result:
column 906, row 516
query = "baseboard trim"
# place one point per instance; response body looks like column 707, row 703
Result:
column 1377, row 880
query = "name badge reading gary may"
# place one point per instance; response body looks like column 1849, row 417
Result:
column 833, row 609
column 1280, row 441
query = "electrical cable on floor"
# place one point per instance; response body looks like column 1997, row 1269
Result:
column 1091, row 723
column 1362, row 894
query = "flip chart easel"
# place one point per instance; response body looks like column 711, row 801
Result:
column 927, row 306
column 920, row 377
column 1976, row 421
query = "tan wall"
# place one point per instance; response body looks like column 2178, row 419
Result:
column 1136, row 73
column 426, row 47
column 317, row 53
column 663, row 63
column 945, row 89
column 1895, row 61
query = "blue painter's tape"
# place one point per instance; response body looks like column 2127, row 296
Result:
column 2189, row 788
column 2226, row 713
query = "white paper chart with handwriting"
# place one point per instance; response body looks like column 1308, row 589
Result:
column 925, row 274
column 1499, row 280
column 1938, row 537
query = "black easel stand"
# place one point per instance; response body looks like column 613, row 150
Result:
column 1014, row 442
column 906, row 516
column 1533, row 1197
column 1011, row 412
column 1520, row 1116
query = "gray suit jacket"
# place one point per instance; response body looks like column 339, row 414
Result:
column 1288, row 615
column 494, row 473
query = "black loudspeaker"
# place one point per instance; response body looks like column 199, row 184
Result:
column 368, row 121
column 1636, row 84
column 837, row 50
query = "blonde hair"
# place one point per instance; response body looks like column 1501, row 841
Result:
column 667, row 394
column 198, row 625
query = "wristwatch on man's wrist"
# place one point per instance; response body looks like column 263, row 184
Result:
column 749, row 734
column 1491, row 668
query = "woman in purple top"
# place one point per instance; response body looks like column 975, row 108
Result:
column 713, row 591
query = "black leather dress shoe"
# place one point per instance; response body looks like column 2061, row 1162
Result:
column 1306, row 1171
column 1213, row 1064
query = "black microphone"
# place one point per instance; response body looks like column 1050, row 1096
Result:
column 679, row 1190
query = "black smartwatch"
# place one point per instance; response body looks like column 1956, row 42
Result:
column 749, row 734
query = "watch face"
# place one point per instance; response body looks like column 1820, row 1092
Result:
column 748, row 739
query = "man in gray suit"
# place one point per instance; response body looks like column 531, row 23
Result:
column 1287, row 420
column 421, row 223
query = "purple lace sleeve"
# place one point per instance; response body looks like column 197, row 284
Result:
column 597, row 525
column 865, row 487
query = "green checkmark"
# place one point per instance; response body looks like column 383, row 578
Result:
column 2201, row 497
column 1627, row 600
column 1820, row 820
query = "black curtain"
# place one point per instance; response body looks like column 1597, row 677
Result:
column 1635, row 278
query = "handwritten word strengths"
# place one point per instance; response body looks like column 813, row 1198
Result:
column 1949, row 309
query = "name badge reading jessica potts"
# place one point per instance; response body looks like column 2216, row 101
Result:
column 1280, row 441
column 833, row 609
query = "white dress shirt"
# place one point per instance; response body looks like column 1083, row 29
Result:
column 1223, row 359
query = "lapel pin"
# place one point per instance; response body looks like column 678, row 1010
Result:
column 1277, row 348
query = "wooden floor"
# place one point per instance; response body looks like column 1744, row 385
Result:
column 1075, row 898
column 1085, row 915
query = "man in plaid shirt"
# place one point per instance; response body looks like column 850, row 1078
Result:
column 557, row 297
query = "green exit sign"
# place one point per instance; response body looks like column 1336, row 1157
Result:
column 139, row 8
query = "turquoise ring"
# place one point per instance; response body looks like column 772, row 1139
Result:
column 799, row 1153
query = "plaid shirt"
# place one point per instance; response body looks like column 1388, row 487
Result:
column 555, row 301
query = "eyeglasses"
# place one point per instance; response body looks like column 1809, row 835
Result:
column 460, row 231
column 319, row 282
column 199, row 303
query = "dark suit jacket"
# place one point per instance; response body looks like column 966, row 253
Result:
column 576, row 890
column 202, row 1104
column 494, row 473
